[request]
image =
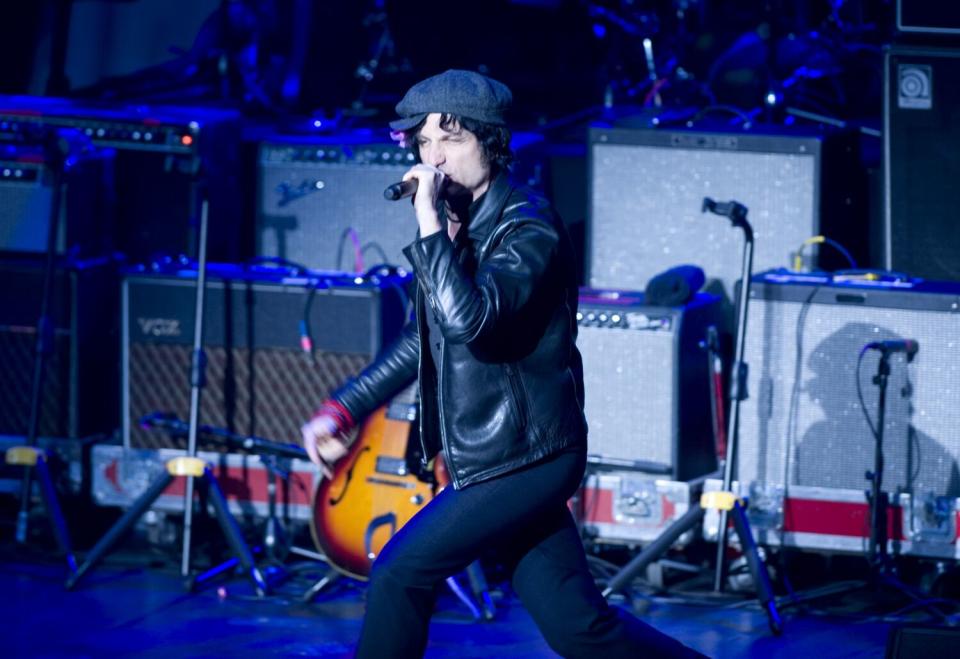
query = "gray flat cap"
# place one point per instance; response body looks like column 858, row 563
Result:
column 463, row 93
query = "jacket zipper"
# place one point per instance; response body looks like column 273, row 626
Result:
column 451, row 469
column 516, row 394
column 423, row 441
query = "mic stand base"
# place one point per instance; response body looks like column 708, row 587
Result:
column 177, row 467
column 691, row 520
column 881, row 562
column 33, row 458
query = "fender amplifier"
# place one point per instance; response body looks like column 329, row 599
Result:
column 646, row 382
column 647, row 188
column 259, row 379
column 806, row 440
column 320, row 203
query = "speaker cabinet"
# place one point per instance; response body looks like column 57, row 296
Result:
column 26, row 198
column 646, row 383
column 320, row 204
column 259, row 380
column 80, row 382
column 804, row 425
column 921, row 141
column 647, row 188
column 933, row 17
column 922, row 642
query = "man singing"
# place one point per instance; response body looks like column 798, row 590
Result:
column 501, row 390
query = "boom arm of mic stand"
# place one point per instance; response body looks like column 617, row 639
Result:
column 259, row 445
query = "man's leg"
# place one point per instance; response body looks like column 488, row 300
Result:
column 553, row 580
column 449, row 533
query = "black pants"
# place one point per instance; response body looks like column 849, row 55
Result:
column 523, row 517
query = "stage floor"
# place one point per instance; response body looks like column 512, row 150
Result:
column 135, row 606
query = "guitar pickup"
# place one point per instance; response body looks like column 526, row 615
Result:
column 390, row 465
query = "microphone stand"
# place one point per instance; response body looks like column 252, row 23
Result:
column 189, row 466
column 727, row 503
column 881, row 563
column 271, row 453
column 878, row 498
column 724, row 501
column 737, row 214
column 56, row 153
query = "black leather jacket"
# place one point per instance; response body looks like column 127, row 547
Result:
column 508, row 390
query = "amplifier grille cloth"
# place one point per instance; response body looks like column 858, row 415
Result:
column 269, row 392
column 309, row 230
column 16, row 367
column 803, row 424
column 629, row 393
column 646, row 211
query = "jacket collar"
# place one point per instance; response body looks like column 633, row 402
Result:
column 486, row 211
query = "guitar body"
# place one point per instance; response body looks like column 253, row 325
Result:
column 371, row 495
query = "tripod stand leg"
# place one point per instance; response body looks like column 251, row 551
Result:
column 480, row 605
column 691, row 519
column 462, row 595
column 27, row 456
column 757, row 568
column 56, row 514
column 330, row 578
column 478, row 584
column 232, row 532
column 121, row 526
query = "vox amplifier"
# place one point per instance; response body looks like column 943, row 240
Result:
column 259, row 379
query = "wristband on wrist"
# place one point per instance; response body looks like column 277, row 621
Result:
column 338, row 413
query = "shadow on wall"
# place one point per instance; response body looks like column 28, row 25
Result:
column 838, row 450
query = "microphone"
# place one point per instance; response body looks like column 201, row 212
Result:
column 908, row 346
column 401, row 190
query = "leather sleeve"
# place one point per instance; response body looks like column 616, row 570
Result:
column 393, row 369
column 470, row 309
